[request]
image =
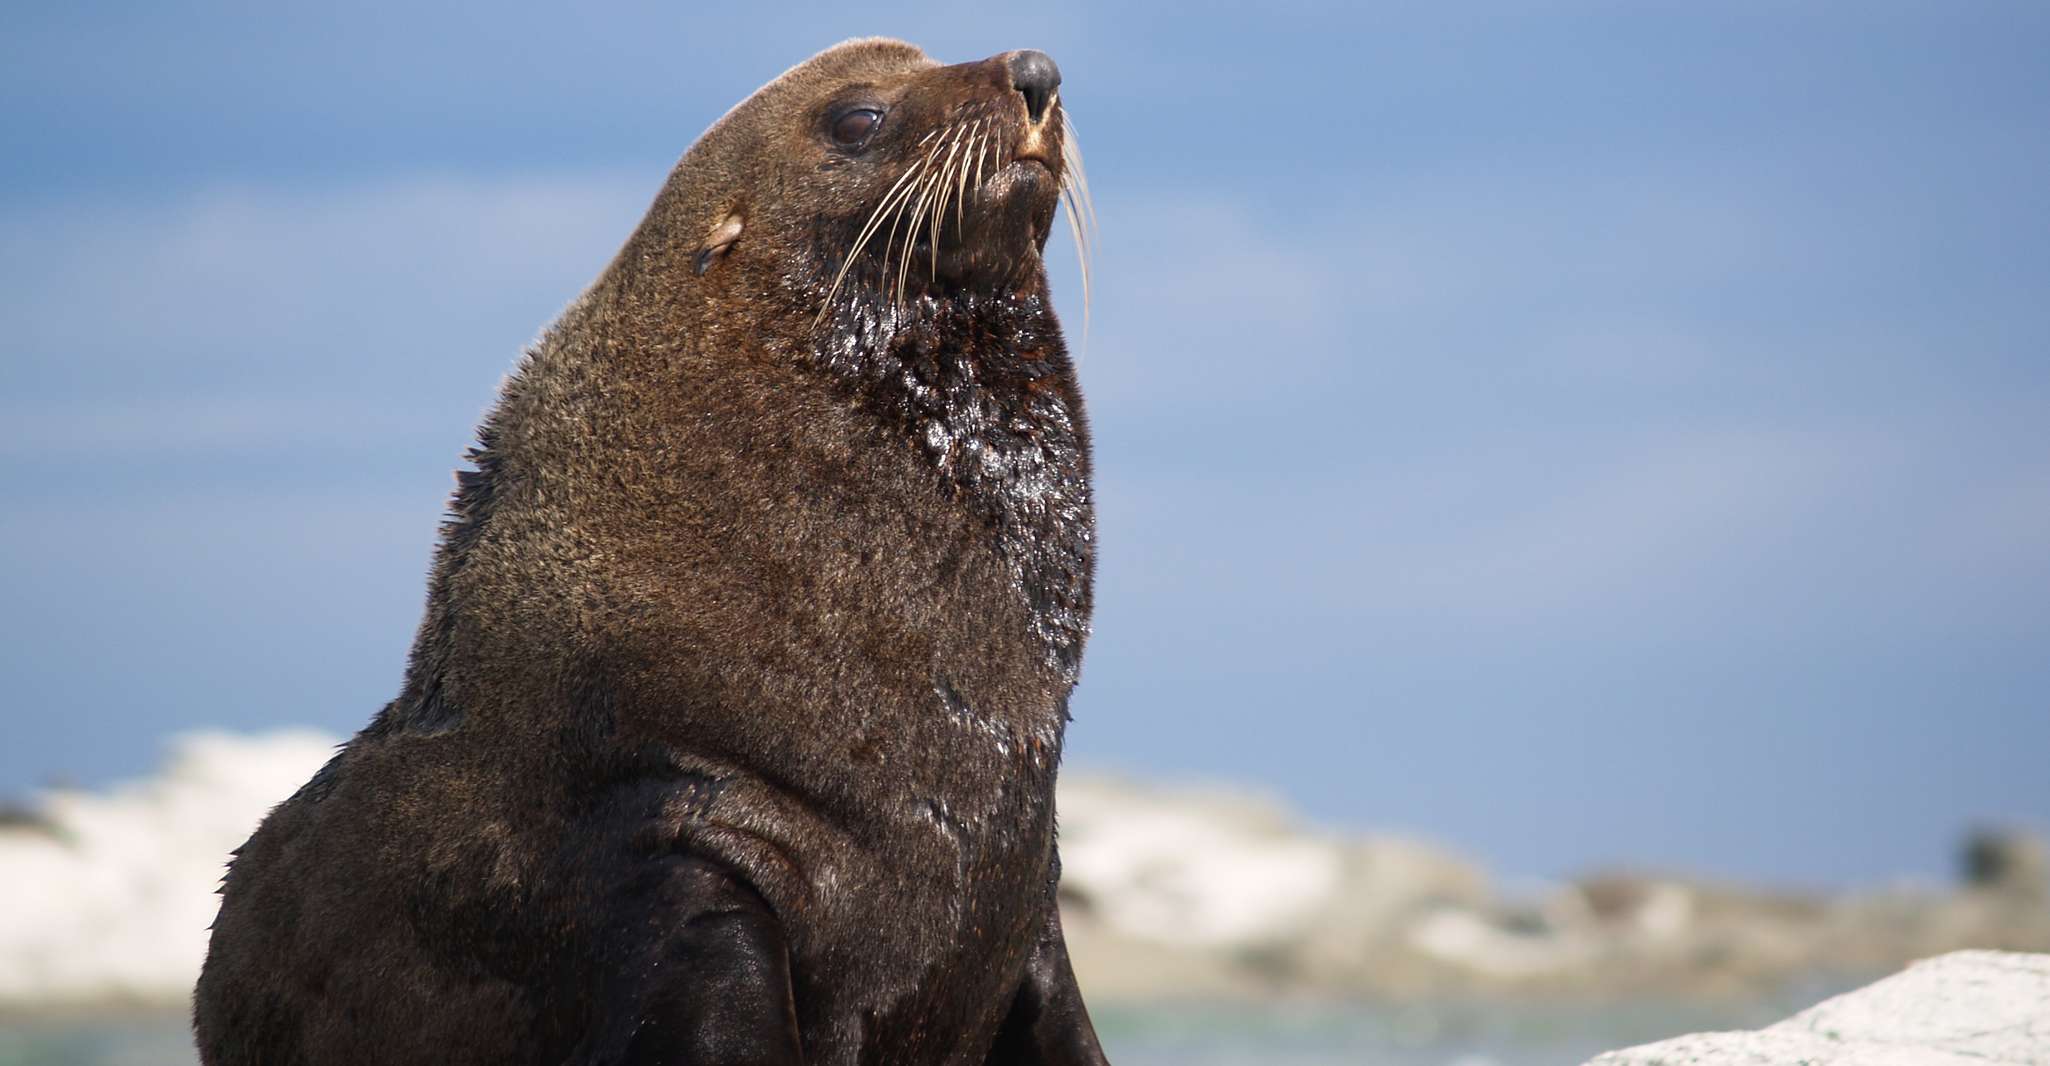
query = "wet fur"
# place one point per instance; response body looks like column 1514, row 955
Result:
column 731, row 728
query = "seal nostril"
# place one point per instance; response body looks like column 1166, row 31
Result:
column 1035, row 77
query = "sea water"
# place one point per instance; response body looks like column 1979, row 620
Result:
column 1191, row 1034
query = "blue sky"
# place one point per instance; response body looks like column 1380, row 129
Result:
column 1583, row 433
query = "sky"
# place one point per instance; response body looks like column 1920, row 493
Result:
column 1585, row 434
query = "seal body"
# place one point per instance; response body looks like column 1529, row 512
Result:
column 731, row 729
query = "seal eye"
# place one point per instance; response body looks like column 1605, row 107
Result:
column 855, row 126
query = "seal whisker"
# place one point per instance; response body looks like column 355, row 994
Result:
column 918, row 217
column 1081, row 211
column 982, row 139
column 956, row 177
column 939, row 207
column 887, row 208
column 933, row 210
column 900, row 216
column 928, row 208
column 1081, row 256
column 868, row 232
column 961, row 190
column 917, row 222
column 1071, row 150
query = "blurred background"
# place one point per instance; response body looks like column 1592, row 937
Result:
column 1574, row 477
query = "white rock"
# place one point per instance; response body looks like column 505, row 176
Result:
column 1968, row 1008
column 1222, row 868
column 110, row 901
column 1191, row 867
column 1468, row 940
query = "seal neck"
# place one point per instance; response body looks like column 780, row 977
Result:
column 982, row 387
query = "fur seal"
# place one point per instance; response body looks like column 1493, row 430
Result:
column 730, row 731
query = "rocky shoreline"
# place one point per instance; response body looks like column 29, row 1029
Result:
column 1168, row 894
column 1194, row 893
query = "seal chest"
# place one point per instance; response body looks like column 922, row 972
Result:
column 731, row 728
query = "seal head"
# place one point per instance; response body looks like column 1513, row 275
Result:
column 888, row 168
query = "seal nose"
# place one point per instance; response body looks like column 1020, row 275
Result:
column 1035, row 77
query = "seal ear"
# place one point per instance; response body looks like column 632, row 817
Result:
column 717, row 243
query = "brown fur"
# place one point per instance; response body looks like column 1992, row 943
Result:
column 800, row 602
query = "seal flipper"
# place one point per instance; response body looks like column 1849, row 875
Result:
column 699, row 972
column 1047, row 1024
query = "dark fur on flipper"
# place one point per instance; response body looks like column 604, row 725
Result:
column 731, row 728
